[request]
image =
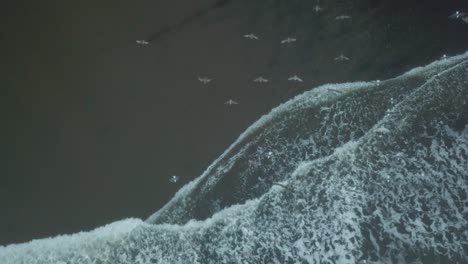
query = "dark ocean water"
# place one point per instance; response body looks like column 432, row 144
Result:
column 362, row 172
column 95, row 124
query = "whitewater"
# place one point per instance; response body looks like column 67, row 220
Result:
column 364, row 172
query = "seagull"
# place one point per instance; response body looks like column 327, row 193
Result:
column 204, row 80
column 142, row 42
column 444, row 57
column 174, row 178
column 295, row 78
column 317, row 8
column 457, row 15
column 230, row 102
column 250, row 36
column 341, row 58
column 288, row 40
column 260, row 79
column 342, row 17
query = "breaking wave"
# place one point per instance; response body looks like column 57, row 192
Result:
column 344, row 173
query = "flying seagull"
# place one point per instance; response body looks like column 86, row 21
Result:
column 174, row 178
column 142, row 42
column 342, row 17
column 317, row 8
column 457, row 15
column 288, row 40
column 260, row 80
column 295, row 78
column 250, row 36
column 230, row 102
column 341, row 58
column 204, row 80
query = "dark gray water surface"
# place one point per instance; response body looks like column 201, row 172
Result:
column 93, row 124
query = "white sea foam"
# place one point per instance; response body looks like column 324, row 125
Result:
column 315, row 97
column 89, row 243
column 392, row 193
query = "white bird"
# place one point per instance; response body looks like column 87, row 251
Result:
column 250, row 36
column 288, row 40
column 342, row 17
column 317, row 8
column 444, row 57
column 295, row 78
column 142, row 42
column 204, row 80
column 260, row 79
column 457, row 15
column 230, row 102
column 174, row 178
column 341, row 58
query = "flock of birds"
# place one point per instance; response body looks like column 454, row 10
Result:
column 295, row 78
column 205, row 80
column 260, row 79
column 288, row 40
